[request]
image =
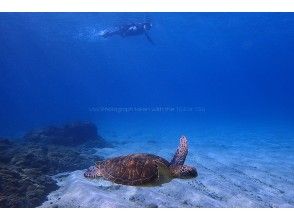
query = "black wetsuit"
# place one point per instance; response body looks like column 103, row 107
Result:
column 129, row 30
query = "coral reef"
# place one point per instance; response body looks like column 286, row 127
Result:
column 26, row 165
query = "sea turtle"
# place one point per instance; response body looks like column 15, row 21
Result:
column 144, row 169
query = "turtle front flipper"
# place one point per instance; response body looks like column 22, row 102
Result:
column 181, row 153
column 183, row 171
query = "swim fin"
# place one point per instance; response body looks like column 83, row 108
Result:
column 149, row 39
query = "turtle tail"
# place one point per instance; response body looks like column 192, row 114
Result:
column 181, row 153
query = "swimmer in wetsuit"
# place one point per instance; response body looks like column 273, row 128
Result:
column 129, row 30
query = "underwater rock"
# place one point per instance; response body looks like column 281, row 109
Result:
column 27, row 164
column 23, row 188
column 7, row 151
column 52, row 159
column 68, row 135
column 4, row 142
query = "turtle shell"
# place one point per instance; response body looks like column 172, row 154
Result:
column 133, row 169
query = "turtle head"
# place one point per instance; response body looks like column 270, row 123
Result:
column 92, row 172
column 183, row 171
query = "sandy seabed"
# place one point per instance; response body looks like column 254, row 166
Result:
column 243, row 171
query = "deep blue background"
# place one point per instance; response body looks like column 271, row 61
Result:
column 54, row 66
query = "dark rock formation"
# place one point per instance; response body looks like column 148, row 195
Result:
column 26, row 165
column 68, row 135
column 4, row 142
column 53, row 159
column 23, row 187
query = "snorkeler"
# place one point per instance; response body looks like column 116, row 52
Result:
column 129, row 30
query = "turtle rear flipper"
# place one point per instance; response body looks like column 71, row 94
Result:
column 149, row 38
column 181, row 153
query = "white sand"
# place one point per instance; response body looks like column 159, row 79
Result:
column 237, row 167
column 235, row 170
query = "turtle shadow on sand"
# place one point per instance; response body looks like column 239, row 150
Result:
column 144, row 169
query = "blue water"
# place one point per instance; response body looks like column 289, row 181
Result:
column 54, row 66
column 223, row 79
